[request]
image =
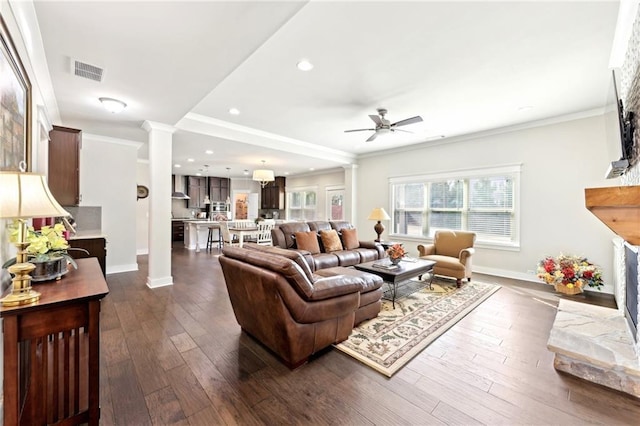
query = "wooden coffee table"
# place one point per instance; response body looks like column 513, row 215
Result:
column 397, row 276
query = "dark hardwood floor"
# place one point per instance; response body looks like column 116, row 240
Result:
column 175, row 355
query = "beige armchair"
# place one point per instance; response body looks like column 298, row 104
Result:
column 452, row 251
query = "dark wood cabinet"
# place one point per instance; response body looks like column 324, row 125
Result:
column 64, row 165
column 197, row 190
column 218, row 189
column 272, row 196
column 97, row 247
column 52, row 352
column 177, row 230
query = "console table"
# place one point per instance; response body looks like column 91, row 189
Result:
column 52, row 351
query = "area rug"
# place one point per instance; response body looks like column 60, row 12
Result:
column 387, row 342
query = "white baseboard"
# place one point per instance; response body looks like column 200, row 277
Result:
column 116, row 269
column 159, row 282
column 505, row 273
column 522, row 276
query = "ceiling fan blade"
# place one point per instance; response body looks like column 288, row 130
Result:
column 359, row 130
column 372, row 137
column 400, row 130
column 376, row 119
column 404, row 122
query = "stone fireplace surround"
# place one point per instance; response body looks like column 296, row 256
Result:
column 596, row 343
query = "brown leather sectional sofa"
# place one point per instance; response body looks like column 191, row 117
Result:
column 284, row 236
column 295, row 312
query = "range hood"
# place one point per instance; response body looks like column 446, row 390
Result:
column 178, row 188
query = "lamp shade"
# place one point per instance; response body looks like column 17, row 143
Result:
column 263, row 175
column 27, row 195
column 378, row 214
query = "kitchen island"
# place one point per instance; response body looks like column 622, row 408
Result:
column 196, row 232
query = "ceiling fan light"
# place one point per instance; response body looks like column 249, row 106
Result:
column 113, row 105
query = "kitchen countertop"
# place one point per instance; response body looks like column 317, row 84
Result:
column 87, row 234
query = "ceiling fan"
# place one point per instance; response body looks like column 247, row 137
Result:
column 385, row 126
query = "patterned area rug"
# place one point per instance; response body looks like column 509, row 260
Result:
column 387, row 342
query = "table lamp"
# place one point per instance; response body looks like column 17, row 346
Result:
column 378, row 214
column 25, row 196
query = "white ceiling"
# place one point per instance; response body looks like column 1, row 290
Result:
column 465, row 67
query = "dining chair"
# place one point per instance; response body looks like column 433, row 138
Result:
column 227, row 238
column 264, row 233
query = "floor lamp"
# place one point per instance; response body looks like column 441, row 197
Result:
column 25, row 196
column 378, row 214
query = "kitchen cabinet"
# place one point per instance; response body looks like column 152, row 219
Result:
column 272, row 196
column 96, row 246
column 197, row 190
column 177, row 230
column 218, row 189
column 64, row 165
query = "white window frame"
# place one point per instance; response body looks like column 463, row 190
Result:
column 332, row 191
column 303, row 208
column 512, row 170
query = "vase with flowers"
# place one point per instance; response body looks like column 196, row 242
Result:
column 569, row 274
column 396, row 252
column 47, row 250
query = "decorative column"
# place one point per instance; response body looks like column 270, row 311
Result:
column 350, row 193
column 160, row 140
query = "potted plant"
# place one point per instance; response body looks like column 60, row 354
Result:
column 47, row 250
column 569, row 274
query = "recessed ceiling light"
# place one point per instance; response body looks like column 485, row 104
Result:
column 525, row 108
column 246, row 172
column 198, row 174
column 311, row 168
column 286, row 173
column 234, row 111
column 191, row 160
column 177, row 166
column 208, row 152
column 304, row 65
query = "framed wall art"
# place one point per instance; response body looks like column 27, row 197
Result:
column 15, row 106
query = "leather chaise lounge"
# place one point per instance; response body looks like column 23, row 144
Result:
column 278, row 300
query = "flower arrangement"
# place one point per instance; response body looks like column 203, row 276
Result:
column 46, row 244
column 574, row 272
column 396, row 251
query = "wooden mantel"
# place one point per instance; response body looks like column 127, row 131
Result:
column 618, row 207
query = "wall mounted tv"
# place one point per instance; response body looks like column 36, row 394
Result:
column 619, row 128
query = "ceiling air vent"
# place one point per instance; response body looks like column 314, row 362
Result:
column 92, row 72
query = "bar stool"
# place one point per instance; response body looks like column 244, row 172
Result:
column 210, row 239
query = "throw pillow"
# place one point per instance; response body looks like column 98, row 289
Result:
column 350, row 239
column 307, row 241
column 330, row 241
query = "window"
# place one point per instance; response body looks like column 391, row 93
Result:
column 335, row 203
column 480, row 200
column 301, row 205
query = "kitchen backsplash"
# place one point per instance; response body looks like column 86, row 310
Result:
column 87, row 218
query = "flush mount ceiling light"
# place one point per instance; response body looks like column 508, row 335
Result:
column 304, row 65
column 209, row 152
column 263, row 176
column 113, row 105
column 234, row 111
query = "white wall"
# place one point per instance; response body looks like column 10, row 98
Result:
column 142, row 209
column 320, row 181
column 108, row 176
column 558, row 162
